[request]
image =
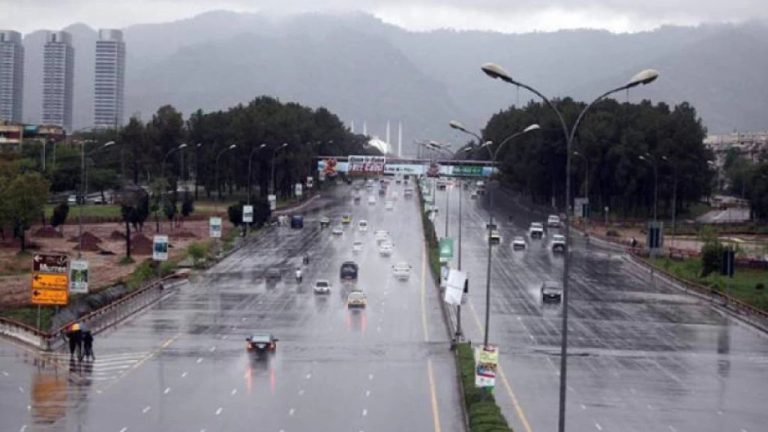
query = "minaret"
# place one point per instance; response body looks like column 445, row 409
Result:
column 399, row 139
column 387, row 132
column 365, row 128
column 352, row 126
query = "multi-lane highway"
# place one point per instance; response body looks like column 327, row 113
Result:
column 642, row 357
column 182, row 364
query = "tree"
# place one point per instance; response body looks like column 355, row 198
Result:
column 24, row 198
column 235, row 213
column 187, row 206
column 134, row 208
column 102, row 179
column 157, row 189
column 169, row 209
column 60, row 213
column 261, row 211
column 133, row 137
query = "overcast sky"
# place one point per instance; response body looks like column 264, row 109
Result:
column 511, row 16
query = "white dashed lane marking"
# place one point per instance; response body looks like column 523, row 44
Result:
column 598, row 427
column 290, row 413
column 146, row 409
column 218, row 411
column 167, row 390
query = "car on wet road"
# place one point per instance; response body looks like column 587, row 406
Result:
column 558, row 243
column 322, row 286
column 401, row 270
column 536, row 230
column 346, row 218
column 518, row 243
column 553, row 221
column 348, row 271
column 362, row 225
column 551, row 291
column 357, row 246
column 386, row 248
column 338, row 230
column 494, row 237
column 325, row 222
column 356, row 299
column 261, row 343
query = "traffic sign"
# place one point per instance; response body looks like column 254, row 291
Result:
column 272, row 201
column 655, row 235
column 50, row 263
column 247, row 214
column 214, row 227
column 50, row 296
column 78, row 277
column 53, row 281
column 298, row 189
column 160, row 248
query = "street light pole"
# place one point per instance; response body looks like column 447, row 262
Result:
column 162, row 165
column 218, row 189
column 655, row 165
column 250, row 161
column 497, row 72
column 84, row 192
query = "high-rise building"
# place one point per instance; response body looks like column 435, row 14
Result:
column 109, row 84
column 58, row 79
column 11, row 76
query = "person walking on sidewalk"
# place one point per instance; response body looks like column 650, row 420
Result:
column 88, row 345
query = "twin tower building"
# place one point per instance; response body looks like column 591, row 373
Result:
column 58, row 78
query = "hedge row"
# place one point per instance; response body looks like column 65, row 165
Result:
column 484, row 414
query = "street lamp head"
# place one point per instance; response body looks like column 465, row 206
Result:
column 532, row 127
column 183, row 145
column 284, row 145
column 576, row 153
column 495, row 71
column 198, row 145
column 644, row 77
column 664, row 158
column 642, row 158
column 487, row 143
column 108, row 143
column 262, row 146
column 232, row 146
column 456, row 125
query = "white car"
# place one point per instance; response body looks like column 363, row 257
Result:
column 357, row 246
column 519, row 243
column 401, row 270
column 473, row 195
column 536, row 230
column 371, row 200
column 553, row 221
column 389, row 206
column 381, row 235
column 322, row 286
column 386, row 248
column 558, row 243
column 338, row 230
column 408, row 192
column 362, row 225
column 395, row 195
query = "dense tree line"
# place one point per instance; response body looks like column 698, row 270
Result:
column 610, row 141
column 748, row 179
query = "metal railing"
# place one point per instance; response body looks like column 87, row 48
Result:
column 97, row 320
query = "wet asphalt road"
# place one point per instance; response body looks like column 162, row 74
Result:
column 182, row 365
column 641, row 357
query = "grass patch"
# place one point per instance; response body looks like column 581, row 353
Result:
column 28, row 315
column 484, row 414
column 743, row 286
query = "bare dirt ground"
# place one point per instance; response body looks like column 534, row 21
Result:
column 103, row 256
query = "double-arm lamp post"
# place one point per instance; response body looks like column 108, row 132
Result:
column 494, row 157
column 644, row 77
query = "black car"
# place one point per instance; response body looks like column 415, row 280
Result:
column 261, row 343
column 551, row 291
column 348, row 271
column 297, row 221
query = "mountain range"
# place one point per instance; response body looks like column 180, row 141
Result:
column 367, row 71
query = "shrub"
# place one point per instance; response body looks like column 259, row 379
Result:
column 60, row 213
column 197, row 251
column 711, row 257
column 760, row 286
column 612, row 233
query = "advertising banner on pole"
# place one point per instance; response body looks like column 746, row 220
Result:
column 160, row 248
column 486, row 363
column 78, row 277
column 581, row 207
column 247, row 213
column 446, row 249
column 366, row 165
column 299, row 190
column 310, row 182
column 455, row 287
column 272, row 201
column 214, row 227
